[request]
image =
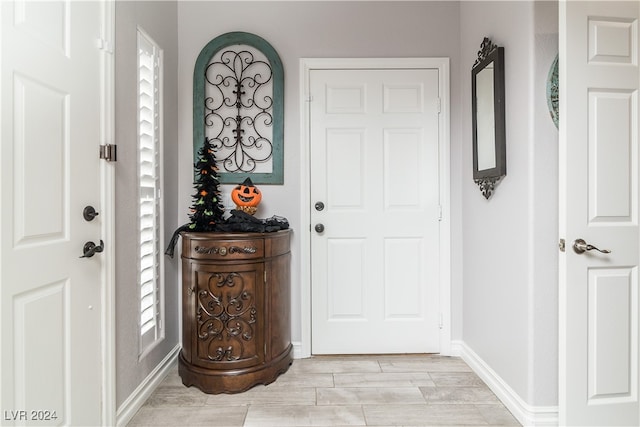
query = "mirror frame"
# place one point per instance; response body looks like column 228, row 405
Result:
column 487, row 179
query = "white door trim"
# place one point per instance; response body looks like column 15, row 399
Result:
column 308, row 64
column 107, row 183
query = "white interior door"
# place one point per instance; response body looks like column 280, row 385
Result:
column 374, row 167
column 50, row 298
column 599, row 201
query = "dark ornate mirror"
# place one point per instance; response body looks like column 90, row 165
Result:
column 487, row 93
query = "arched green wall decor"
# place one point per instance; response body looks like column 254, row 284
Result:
column 238, row 104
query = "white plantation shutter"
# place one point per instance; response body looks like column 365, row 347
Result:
column 149, row 185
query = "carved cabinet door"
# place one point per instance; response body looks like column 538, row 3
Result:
column 228, row 303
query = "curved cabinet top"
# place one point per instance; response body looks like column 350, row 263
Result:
column 235, row 246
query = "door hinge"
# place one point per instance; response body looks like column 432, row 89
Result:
column 265, row 277
column 309, row 98
column 439, row 105
column 440, row 321
column 439, row 212
column 108, row 152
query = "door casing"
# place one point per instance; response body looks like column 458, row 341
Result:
column 108, row 203
column 308, row 64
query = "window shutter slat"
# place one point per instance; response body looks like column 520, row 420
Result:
column 149, row 173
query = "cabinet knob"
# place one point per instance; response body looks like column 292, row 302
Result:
column 222, row 251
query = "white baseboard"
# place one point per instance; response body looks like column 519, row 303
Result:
column 526, row 414
column 134, row 402
column 456, row 348
column 298, row 353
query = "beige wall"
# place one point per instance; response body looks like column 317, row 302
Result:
column 510, row 263
column 158, row 20
column 320, row 29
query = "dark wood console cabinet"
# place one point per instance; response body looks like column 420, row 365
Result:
column 236, row 322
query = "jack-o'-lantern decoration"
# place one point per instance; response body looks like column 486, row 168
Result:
column 246, row 197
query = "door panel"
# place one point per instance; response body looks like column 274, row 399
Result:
column 374, row 151
column 401, row 172
column 345, row 151
column 34, row 101
column 599, row 83
column 611, row 150
column 50, row 130
column 346, row 258
column 30, row 309
column 48, row 22
column 611, row 298
column 403, row 276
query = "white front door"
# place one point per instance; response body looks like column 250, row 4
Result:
column 599, row 203
column 374, row 148
column 50, row 298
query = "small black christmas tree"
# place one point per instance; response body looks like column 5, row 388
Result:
column 206, row 211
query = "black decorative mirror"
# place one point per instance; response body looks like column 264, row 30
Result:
column 487, row 93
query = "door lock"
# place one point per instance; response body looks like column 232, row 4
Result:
column 89, row 213
column 319, row 228
column 580, row 247
column 90, row 249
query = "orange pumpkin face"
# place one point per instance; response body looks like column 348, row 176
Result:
column 246, row 194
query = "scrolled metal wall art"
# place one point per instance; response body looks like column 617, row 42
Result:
column 238, row 103
column 239, row 109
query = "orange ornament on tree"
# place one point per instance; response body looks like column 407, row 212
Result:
column 246, row 197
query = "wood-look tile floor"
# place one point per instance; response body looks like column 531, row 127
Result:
column 404, row 390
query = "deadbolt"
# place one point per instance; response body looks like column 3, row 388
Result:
column 319, row 206
column 89, row 213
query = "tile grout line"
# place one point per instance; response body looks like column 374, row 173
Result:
column 364, row 416
column 483, row 412
column 246, row 413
